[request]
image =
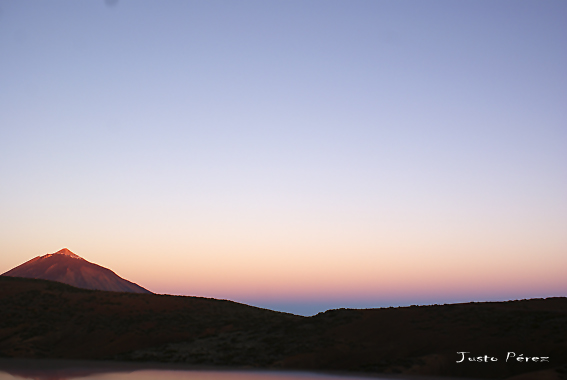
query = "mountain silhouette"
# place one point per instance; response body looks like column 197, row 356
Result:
column 50, row 320
column 66, row 267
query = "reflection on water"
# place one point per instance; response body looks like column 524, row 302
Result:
column 93, row 371
column 175, row 375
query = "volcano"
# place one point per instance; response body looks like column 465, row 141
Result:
column 66, row 267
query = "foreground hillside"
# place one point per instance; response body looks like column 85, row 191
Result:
column 44, row 319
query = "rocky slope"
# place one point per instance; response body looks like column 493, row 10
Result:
column 43, row 319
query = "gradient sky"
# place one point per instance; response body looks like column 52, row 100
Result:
column 296, row 155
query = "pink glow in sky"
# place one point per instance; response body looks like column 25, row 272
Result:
column 298, row 155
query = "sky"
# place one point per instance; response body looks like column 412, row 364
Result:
column 294, row 155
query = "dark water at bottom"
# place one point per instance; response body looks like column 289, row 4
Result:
column 49, row 370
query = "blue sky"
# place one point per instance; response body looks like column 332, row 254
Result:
column 228, row 148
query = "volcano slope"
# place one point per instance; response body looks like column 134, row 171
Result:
column 66, row 267
column 45, row 319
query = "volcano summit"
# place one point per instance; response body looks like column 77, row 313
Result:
column 66, row 267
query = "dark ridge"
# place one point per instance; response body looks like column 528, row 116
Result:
column 45, row 319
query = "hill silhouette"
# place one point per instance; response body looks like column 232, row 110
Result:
column 66, row 267
column 45, row 319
